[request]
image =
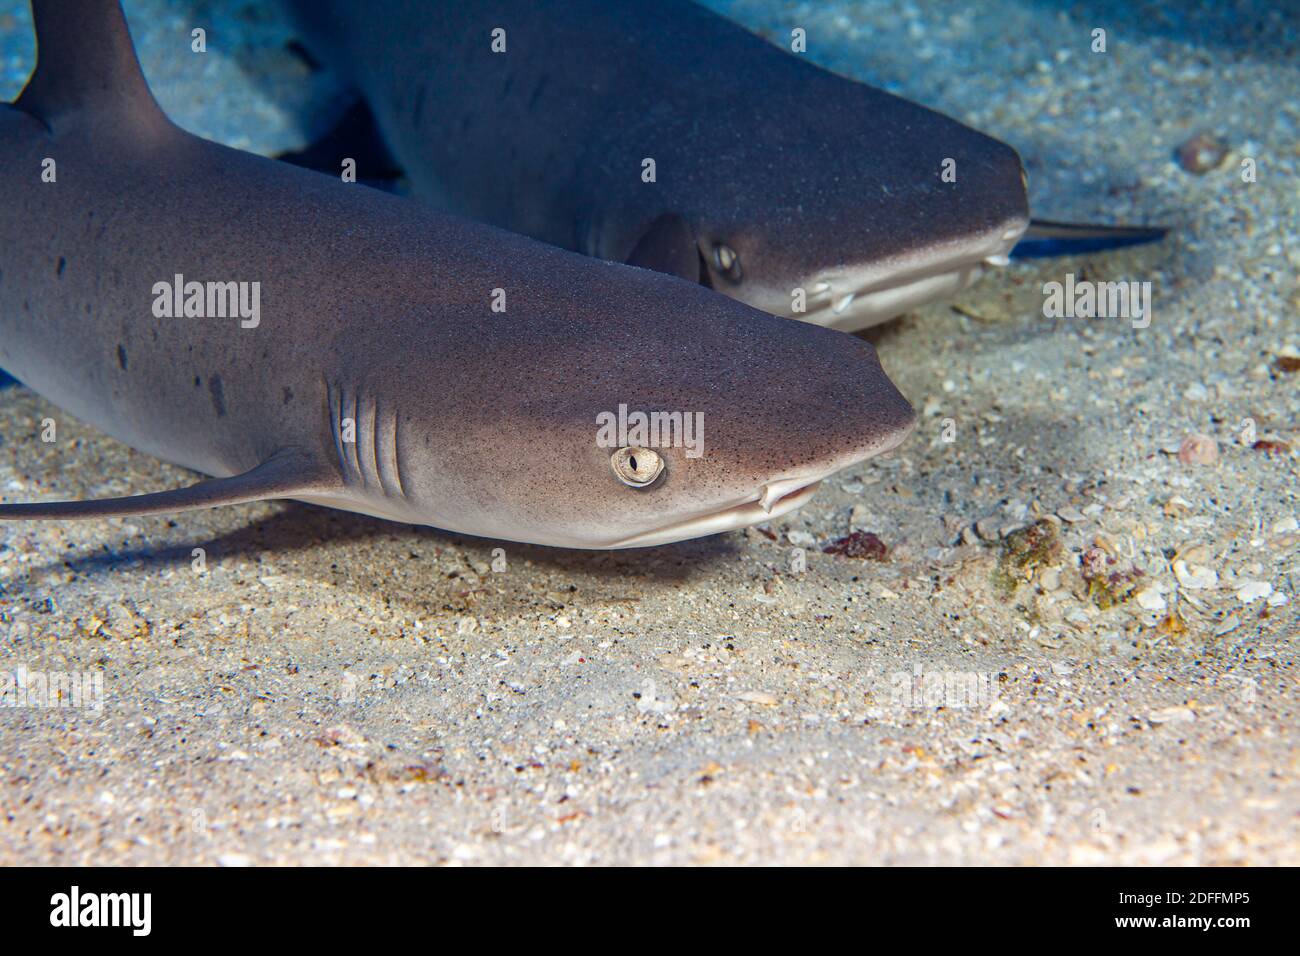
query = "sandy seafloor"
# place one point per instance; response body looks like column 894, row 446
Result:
column 340, row 690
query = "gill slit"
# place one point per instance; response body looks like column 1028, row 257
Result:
column 373, row 459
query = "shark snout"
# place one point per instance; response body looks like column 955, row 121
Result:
column 855, row 296
column 855, row 414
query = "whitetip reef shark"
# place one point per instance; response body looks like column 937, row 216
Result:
column 376, row 376
column 776, row 182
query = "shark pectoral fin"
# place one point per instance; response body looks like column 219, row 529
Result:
column 1044, row 238
column 285, row 475
column 668, row 245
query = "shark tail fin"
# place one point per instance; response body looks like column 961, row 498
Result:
column 285, row 475
column 1045, row 238
column 85, row 61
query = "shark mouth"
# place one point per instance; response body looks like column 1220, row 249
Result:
column 850, row 299
column 776, row 498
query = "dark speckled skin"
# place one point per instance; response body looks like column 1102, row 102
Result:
column 796, row 169
column 377, row 309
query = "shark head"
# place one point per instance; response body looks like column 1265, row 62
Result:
column 824, row 200
column 644, row 412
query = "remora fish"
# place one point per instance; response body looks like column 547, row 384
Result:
column 772, row 174
column 375, row 325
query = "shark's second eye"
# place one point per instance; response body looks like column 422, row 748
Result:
column 637, row 467
column 727, row 262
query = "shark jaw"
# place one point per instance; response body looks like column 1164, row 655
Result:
column 857, row 297
column 774, row 500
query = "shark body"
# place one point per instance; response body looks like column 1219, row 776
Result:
column 377, row 376
column 773, row 181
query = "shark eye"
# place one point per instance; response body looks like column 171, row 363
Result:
column 727, row 262
column 637, row 467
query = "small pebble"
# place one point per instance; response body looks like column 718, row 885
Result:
column 860, row 544
column 1286, row 525
column 1198, row 450
column 1202, row 153
column 1230, row 624
column 1195, row 577
column 1172, row 715
column 858, row 517
column 1150, row 599
column 1071, row 514
column 1253, row 591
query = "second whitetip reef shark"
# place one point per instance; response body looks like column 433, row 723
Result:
column 376, row 377
column 774, row 181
